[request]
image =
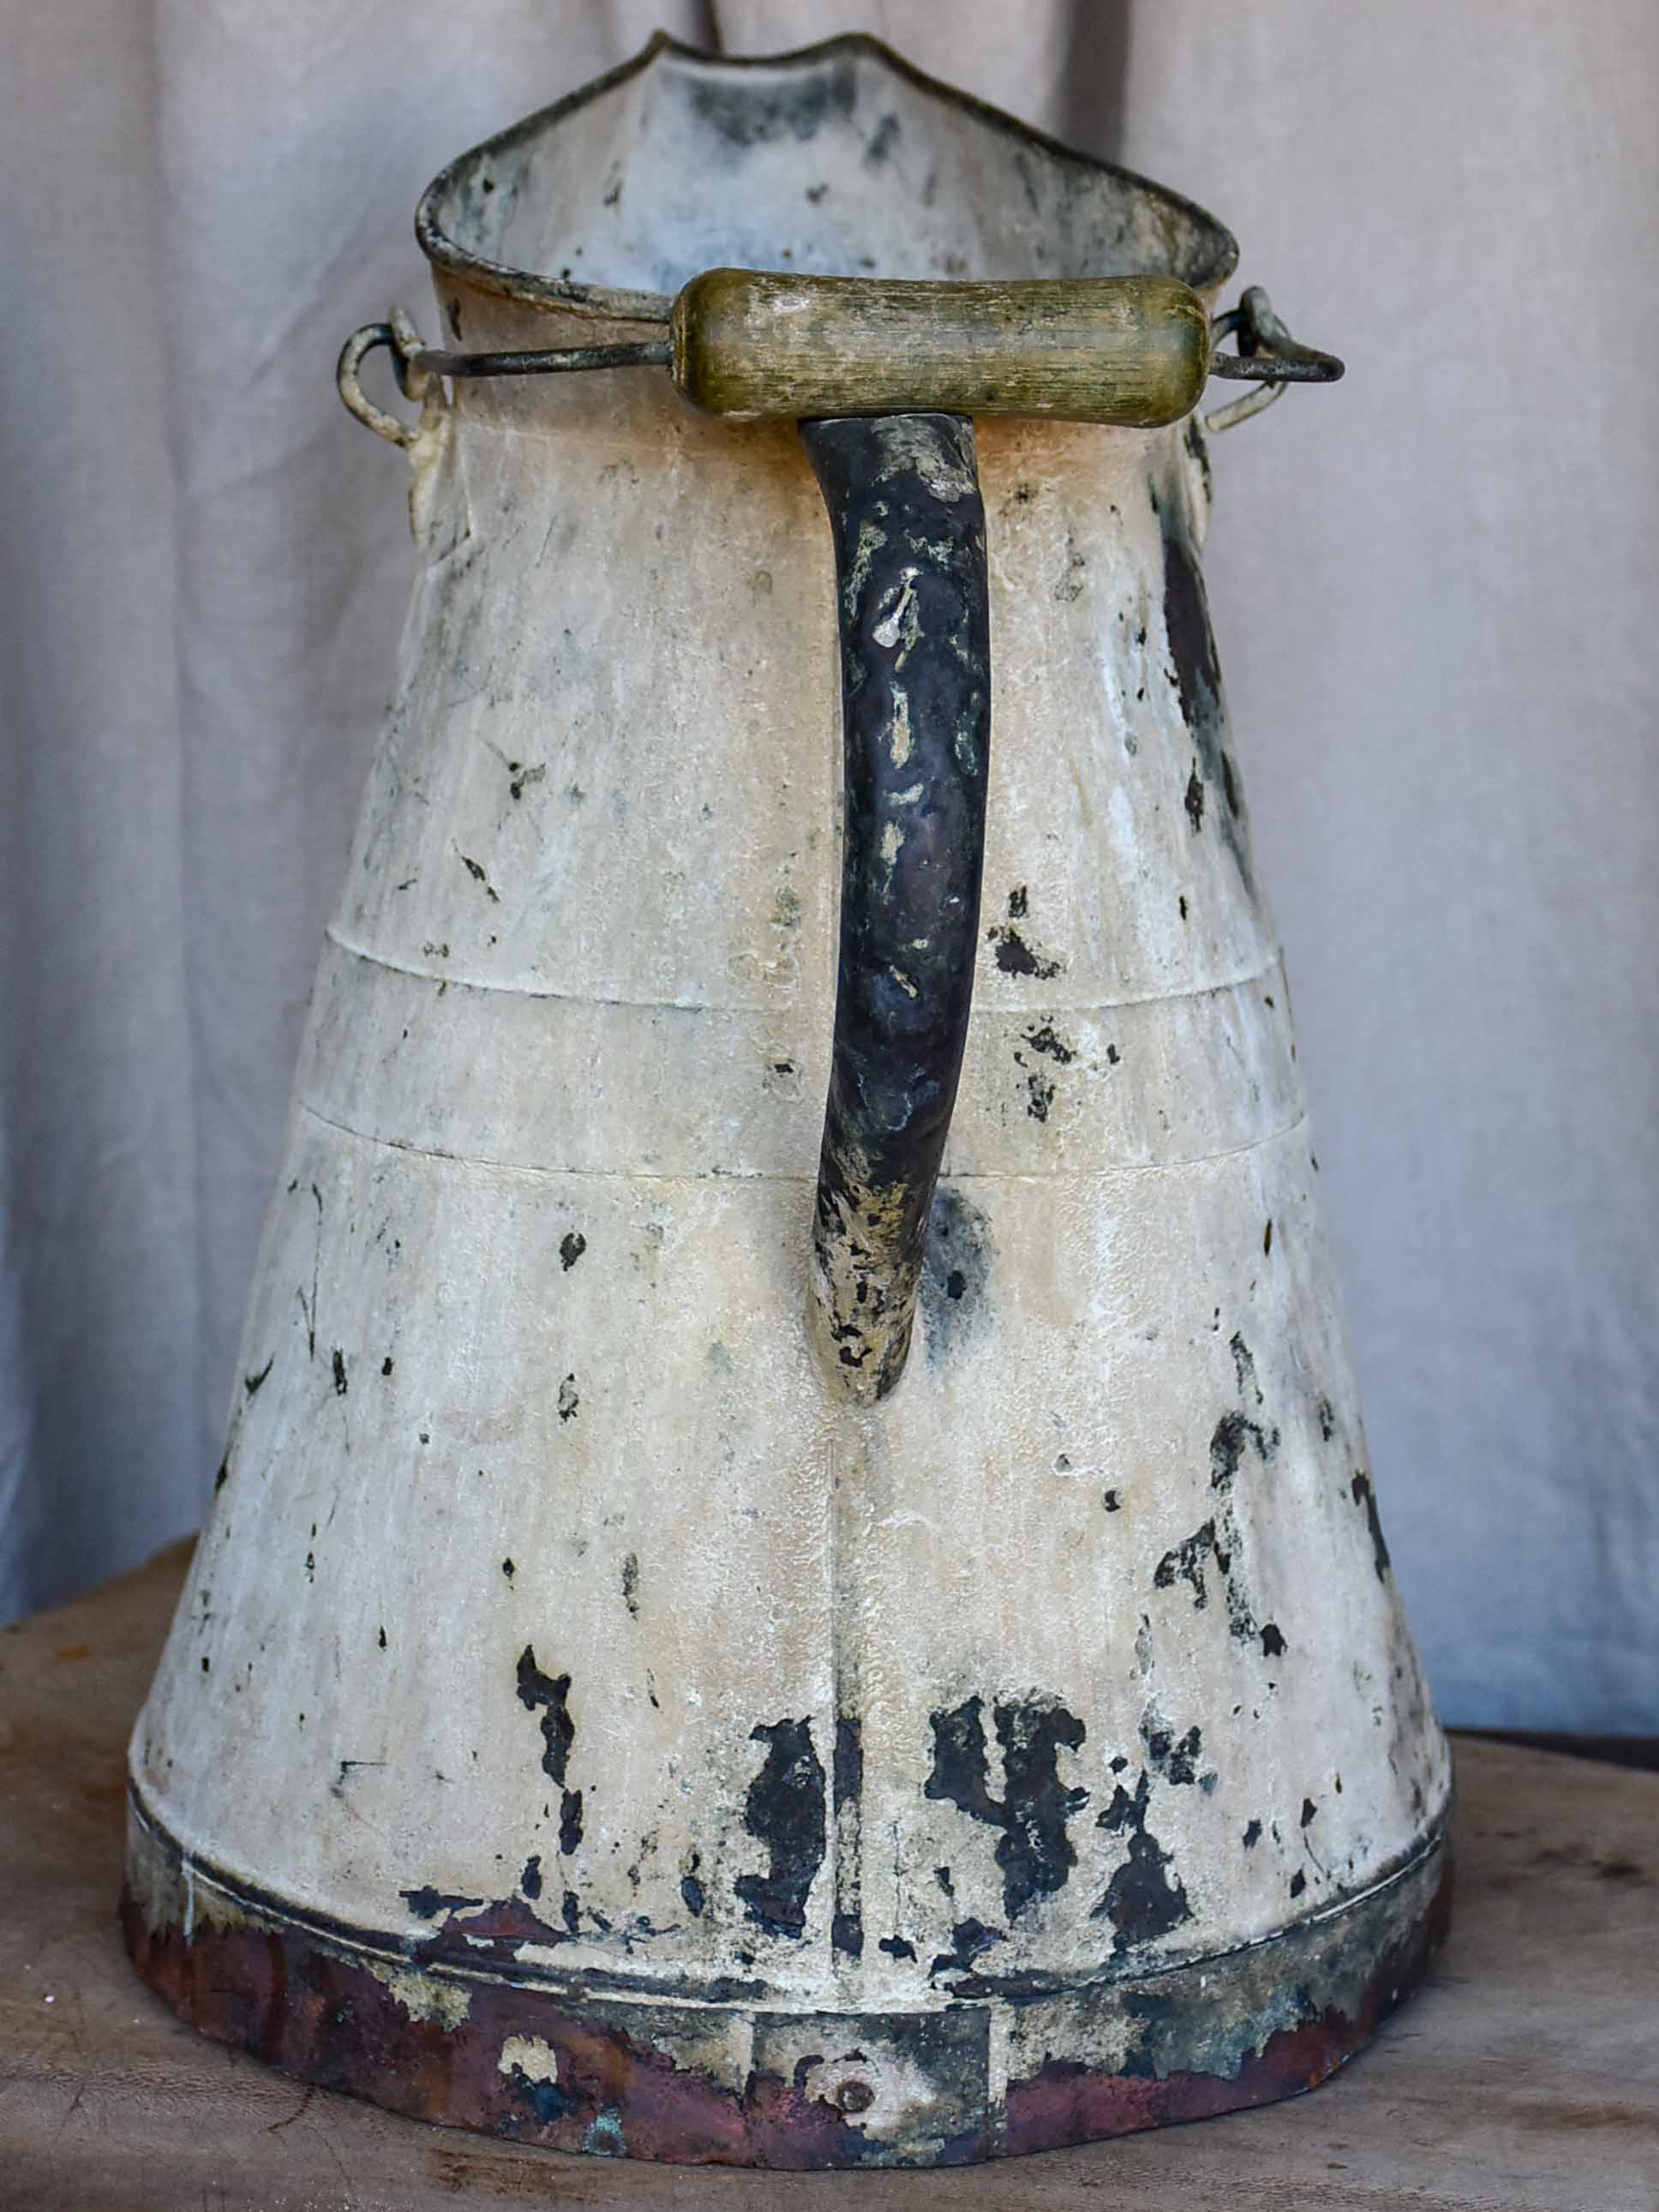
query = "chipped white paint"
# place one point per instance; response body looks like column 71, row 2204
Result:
column 423, row 1996
column 532, row 2055
column 524, row 1392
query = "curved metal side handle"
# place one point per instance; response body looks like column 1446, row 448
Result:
column 909, row 524
column 1267, row 357
column 403, row 341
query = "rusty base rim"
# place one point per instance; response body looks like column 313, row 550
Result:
column 579, row 2071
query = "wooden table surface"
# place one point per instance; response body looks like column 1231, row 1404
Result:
column 1523, row 2078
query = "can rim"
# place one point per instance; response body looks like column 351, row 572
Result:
column 1213, row 257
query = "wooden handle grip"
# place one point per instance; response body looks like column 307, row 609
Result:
column 1129, row 350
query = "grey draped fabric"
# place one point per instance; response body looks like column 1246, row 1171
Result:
column 1433, row 590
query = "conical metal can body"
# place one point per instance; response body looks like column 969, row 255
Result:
column 581, row 1722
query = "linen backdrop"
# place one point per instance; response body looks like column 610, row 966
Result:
column 1434, row 589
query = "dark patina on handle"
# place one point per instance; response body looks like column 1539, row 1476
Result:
column 909, row 524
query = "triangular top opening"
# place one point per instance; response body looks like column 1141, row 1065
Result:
column 840, row 160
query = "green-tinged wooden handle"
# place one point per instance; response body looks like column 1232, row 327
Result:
column 1129, row 350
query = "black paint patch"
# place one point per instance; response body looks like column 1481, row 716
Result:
column 1213, row 1542
column 1365, row 1496
column 1252, row 1835
column 427, row 1903
column 848, row 1765
column 1227, row 1441
column 691, row 1889
column 1272, row 1643
column 896, row 1948
column 1244, row 1367
column 745, row 110
column 630, row 1583
column 1185, row 1562
column 956, row 1270
column 1194, row 441
column 1298, row 1882
column 961, row 1766
column 1045, row 1039
column 1174, row 1758
column 1145, row 1898
column 846, row 1779
column 251, row 1383
column 567, row 1399
column 846, row 1934
column 475, row 869
column 784, row 1810
column 571, row 1248
column 1194, row 799
column 530, row 1881
column 1014, row 956
column 550, row 1695
column 970, row 1939
column 1327, row 1413
column 1197, row 678
column 1034, row 1853
column 882, row 141
column 341, row 1386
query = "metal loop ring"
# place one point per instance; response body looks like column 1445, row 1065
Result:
column 403, row 341
column 1267, row 357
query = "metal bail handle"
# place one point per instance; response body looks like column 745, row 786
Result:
column 749, row 346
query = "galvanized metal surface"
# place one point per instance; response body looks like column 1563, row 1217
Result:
column 555, row 1626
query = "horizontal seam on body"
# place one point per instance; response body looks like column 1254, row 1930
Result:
column 804, row 1179
column 1047, row 1007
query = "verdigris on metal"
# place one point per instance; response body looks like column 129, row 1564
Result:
column 591, row 1716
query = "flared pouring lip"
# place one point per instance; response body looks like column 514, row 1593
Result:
column 1212, row 257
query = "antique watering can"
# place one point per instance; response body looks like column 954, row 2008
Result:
column 681, row 1668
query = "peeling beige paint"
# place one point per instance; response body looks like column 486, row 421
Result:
column 532, row 2055
column 436, row 1998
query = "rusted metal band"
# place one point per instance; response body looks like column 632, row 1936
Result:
column 457, row 2029
column 908, row 526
